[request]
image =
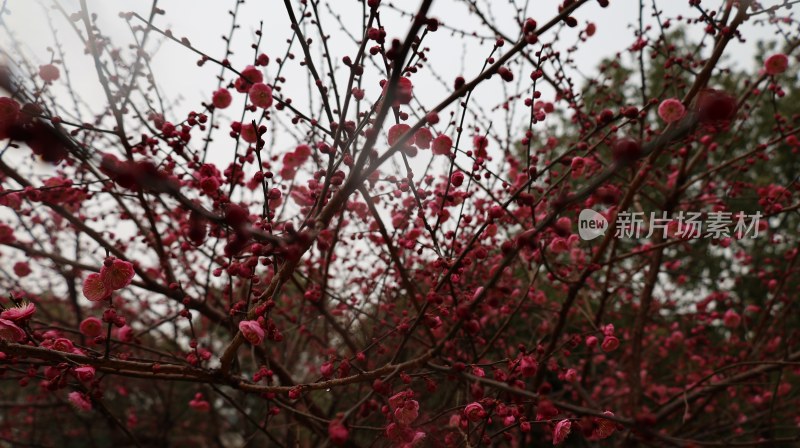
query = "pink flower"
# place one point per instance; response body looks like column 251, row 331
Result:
column 457, row 179
column 249, row 133
column 63, row 345
column 506, row 74
column 326, row 369
column 261, row 95
column 626, row 149
column 403, row 93
column 776, row 64
column 715, row 106
column 94, row 289
column 479, row 144
column 397, row 131
column 10, row 332
column 571, row 375
column 423, row 138
column 19, row 312
column 338, row 433
column 605, row 427
column 9, row 114
column 117, row 274
column 577, row 165
column 221, row 98
column 528, row 366
column 302, row 152
column 441, row 145
column 731, row 319
column 250, row 76
column 561, row 431
column 22, row 269
column 199, row 403
column 404, row 436
column 125, row 333
column 85, row 373
column 455, row 421
column 407, row 413
column 252, row 331
column 397, row 400
column 294, row 393
column 9, row 110
column 474, row 411
column 563, row 226
column 546, row 410
column 91, row 327
column 671, row 110
column 610, row 343
column 419, row 436
column 48, row 72
column 80, row 401
column 558, row 245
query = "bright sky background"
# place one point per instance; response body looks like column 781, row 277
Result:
column 203, row 22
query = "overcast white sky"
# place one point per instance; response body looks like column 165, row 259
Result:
column 203, row 22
